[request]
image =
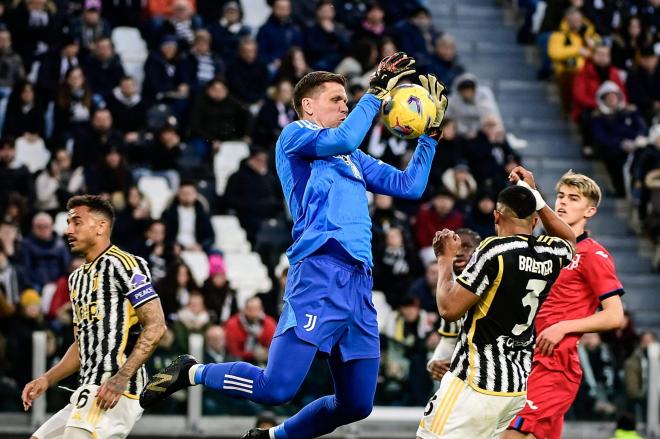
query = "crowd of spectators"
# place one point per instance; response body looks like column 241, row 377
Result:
column 73, row 122
column 603, row 56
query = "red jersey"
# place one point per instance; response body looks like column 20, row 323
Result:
column 579, row 289
column 555, row 379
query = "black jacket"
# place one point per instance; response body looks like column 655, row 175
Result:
column 219, row 120
column 644, row 90
column 247, row 82
column 251, row 193
column 103, row 76
column 160, row 76
column 204, row 234
column 127, row 117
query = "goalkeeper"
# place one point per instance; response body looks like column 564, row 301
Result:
column 327, row 302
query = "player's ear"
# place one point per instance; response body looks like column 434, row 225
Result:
column 307, row 106
column 102, row 227
column 497, row 216
column 535, row 221
column 591, row 211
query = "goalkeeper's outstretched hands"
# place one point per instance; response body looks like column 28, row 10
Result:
column 388, row 73
column 439, row 94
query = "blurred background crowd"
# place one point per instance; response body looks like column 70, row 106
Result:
column 171, row 108
column 603, row 56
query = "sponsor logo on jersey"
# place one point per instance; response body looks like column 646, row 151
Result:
column 88, row 312
column 574, row 263
column 531, row 405
column 513, row 343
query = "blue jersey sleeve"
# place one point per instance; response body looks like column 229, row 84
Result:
column 382, row 178
column 305, row 139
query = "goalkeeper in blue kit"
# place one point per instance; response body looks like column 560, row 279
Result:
column 327, row 301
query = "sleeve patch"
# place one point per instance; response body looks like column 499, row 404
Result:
column 141, row 295
column 137, row 279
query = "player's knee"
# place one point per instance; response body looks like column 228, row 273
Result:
column 358, row 409
column 278, row 395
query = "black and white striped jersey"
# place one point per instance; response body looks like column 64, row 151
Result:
column 104, row 294
column 448, row 329
column 512, row 275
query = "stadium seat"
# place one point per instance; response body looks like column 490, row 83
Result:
column 59, row 225
column 198, row 263
column 157, row 191
column 229, row 236
column 382, row 308
column 227, row 161
column 255, row 13
column 247, row 274
column 132, row 50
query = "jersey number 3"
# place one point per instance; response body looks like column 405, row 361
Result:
column 531, row 299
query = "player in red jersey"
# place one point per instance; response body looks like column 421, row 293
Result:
column 568, row 312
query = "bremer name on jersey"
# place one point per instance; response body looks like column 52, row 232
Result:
column 105, row 294
column 513, row 276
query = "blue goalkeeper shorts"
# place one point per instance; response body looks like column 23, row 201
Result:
column 328, row 303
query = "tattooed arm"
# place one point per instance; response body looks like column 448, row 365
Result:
column 152, row 320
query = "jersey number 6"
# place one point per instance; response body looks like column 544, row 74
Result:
column 531, row 299
column 82, row 398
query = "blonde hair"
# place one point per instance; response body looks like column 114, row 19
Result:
column 584, row 185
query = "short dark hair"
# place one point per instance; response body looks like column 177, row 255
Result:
column 469, row 232
column 308, row 85
column 8, row 141
column 519, row 199
column 96, row 204
column 626, row 421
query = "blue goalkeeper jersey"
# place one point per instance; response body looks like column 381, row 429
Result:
column 325, row 179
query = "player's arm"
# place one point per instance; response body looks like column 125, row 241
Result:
column 150, row 315
column 453, row 299
column 152, row 320
column 553, row 225
column 611, row 317
column 304, row 139
column 385, row 179
column 67, row 366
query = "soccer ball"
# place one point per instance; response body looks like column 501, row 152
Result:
column 408, row 111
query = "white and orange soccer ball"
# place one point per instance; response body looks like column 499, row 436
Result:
column 408, row 111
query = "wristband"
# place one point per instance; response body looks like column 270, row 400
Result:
column 540, row 202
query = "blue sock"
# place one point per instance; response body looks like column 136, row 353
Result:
column 280, row 433
column 233, row 379
column 198, row 374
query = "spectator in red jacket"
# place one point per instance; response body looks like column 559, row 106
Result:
column 249, row 333
column 596, row 70
column 440, row 213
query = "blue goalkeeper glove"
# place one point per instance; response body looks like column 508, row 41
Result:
column 388, row 73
